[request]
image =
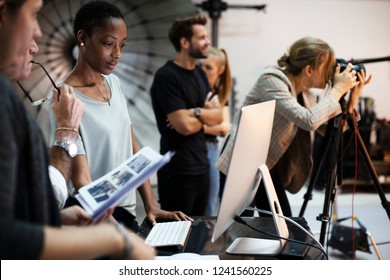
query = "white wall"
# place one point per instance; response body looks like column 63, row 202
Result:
column 358, row 29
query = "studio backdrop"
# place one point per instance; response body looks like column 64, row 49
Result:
column 147, row 49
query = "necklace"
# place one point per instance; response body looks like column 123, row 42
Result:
column 106, row 97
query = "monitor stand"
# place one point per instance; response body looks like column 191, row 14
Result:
column 258, row 246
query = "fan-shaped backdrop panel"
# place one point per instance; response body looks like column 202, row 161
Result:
column 147, row 49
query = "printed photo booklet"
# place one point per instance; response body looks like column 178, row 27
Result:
column 107, row 191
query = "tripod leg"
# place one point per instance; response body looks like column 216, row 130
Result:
column 328, row 163
column 313, row 180
column 370, row 167
column 375, row 246
column 319, row 165
column 329, row 195
column 332, row 167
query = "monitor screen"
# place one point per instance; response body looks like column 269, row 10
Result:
column 247, row 168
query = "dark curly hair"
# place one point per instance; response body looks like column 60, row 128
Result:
column 94, row 14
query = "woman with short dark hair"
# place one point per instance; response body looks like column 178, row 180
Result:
column 31, row 227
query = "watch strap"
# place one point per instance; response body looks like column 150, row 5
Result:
column 69, row 146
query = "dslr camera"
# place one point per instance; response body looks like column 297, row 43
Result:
column 343, row 64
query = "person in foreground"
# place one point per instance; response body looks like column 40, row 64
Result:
column 309, row 63
column 217, row 68
column 107, row 137
column 31, row 227
column 182, row 104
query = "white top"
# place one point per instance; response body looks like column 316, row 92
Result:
column 59, row 186
column 105, row 135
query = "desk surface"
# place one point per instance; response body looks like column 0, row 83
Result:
column 199, row 240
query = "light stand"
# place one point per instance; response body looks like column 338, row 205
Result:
column 215, row 8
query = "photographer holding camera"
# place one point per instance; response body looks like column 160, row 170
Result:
column 309, row 63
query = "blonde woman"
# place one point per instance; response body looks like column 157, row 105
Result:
column 217, row 69
column 309, row 63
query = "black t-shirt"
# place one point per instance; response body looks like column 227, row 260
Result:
column 176, row 88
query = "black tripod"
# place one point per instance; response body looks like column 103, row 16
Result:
column 330, row 162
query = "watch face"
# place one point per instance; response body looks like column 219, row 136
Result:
column 72, row 149
column 197, row 112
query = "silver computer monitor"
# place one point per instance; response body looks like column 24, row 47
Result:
column 247, row 168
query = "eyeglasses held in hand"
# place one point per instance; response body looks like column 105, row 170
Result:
column 39, row 101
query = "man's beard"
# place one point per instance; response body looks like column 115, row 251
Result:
column 196, row 53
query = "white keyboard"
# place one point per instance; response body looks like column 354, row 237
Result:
column 169, row 234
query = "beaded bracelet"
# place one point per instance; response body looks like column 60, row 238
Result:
column 128, row 247
column 68, row 128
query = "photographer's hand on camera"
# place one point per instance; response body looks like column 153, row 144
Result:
column 343, row 81
column 362, row 80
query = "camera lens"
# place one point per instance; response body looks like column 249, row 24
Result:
column 343, row 64
column 356, row 67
